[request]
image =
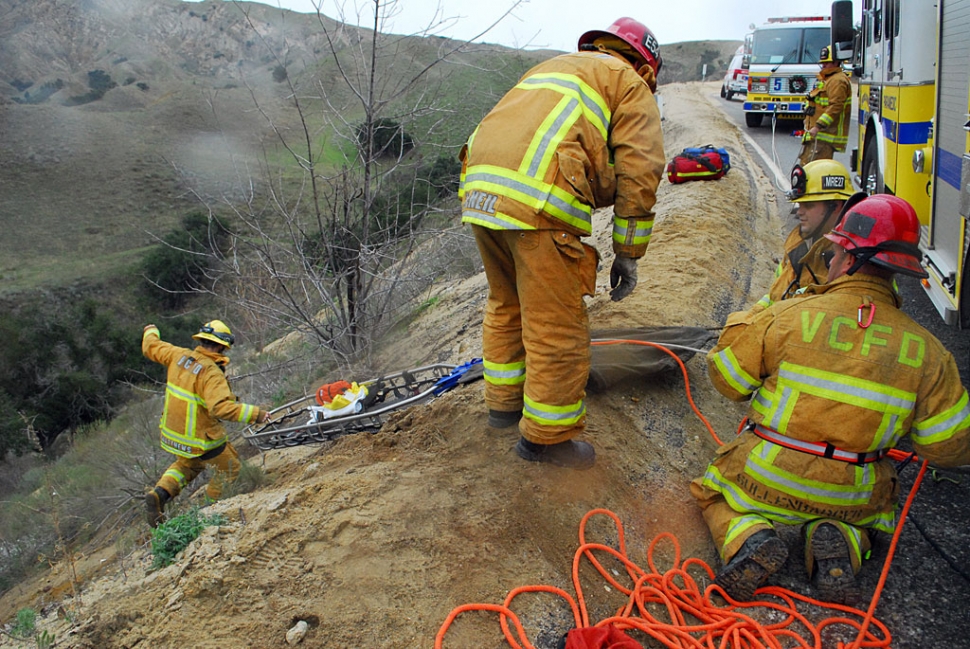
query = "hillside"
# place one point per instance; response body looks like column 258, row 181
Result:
column 121, row 116
column 374, row 539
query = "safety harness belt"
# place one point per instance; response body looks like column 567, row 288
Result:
column 822, row 449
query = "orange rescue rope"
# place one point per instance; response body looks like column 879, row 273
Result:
column 694, row 622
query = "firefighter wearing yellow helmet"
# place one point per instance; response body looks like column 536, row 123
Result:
column 834, row 379
column 197, row 397
column 828, row 111
column 820, row 191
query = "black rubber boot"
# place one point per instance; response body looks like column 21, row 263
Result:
column 760, row 557
column 503, row 418
column 833, row 578
column 571, row 455
column 155, row 505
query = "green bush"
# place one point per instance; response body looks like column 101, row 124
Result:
column 173, row 536
column 176, row 270
column 64, row 361
column 390, row 138
column 26, row 623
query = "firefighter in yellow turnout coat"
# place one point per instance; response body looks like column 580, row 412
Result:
column 836, row 378
column 197, row 396
column 830, row 108
column 820, row 190
column 578, row 132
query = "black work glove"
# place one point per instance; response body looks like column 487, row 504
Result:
column 623, row 277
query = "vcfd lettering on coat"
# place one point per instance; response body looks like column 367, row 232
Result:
column 480, row 202
column 912, row 348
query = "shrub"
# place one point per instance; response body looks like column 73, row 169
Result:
column 390, row 138
column 171, row 537
column 26, row 623
column 279, row 74
column 177, row 269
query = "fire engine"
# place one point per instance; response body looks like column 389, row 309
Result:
column 782, row 59
column 912, row 61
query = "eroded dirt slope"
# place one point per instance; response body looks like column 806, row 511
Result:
column 375, row 539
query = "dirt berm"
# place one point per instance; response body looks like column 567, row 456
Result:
column 374, row 539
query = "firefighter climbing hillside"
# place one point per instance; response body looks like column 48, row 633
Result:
column 828, row 112
column 836, row 379
column 197, row 396
column 820, row 190
column 578, row 132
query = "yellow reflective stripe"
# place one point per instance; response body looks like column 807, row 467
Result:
column 151, row 330
column 184, row 395
column 843, row 388
column 547, row 137
column 740, row 501
column 531, row 192
column 730, row 369
column 641, row 233
column 593, row 105
column 944, row 425
column 825, row 120
column 760, row 464
column 246, row 412
column 739, row 525
column 765, row 301
column 548, row 415
column 176, row 475
column 833, row 139
column 497, row 221
column 504, row 373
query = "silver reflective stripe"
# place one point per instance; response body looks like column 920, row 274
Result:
column 728, row 363
column 813, row 448
column 944, row 426
column 900, row 404
column 532, row 192
column 504, row 374
column 551, row 135
column 554, row 416
column 781, row 407
column 588, row 105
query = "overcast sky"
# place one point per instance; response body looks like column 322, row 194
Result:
column 557, row 24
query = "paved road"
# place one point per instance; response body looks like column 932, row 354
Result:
column 777, row 150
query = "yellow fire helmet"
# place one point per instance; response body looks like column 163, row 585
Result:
column 820, row 180
column 216, row 331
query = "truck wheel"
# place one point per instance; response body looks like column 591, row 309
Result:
column 723, row 93
column 872, row 180
column 753, row 120
column 729, row 95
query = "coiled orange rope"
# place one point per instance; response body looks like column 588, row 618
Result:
column 693, row 621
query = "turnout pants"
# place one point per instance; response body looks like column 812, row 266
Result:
column 535, row 339
column 223, row 460
column 815, row 150
column 731, row 528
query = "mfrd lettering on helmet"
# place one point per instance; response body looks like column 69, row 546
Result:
column 833, row 182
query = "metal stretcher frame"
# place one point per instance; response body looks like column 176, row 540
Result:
column 289, row 425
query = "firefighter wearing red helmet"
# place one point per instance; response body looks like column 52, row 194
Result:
column 579, row 132
column 836, row 378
